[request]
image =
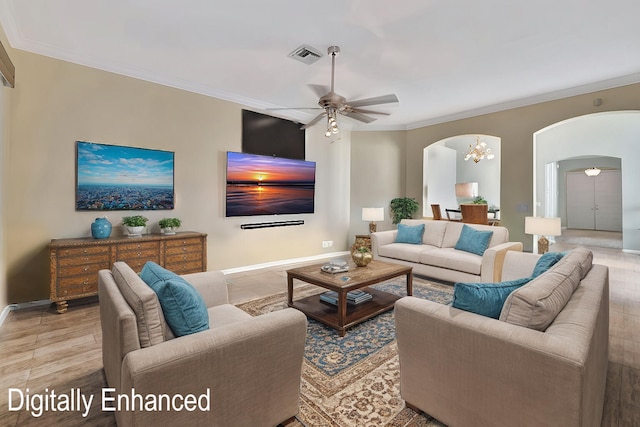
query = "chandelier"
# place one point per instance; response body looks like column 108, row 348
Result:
column 332, row 123
column 594, row 171
column 479, row 152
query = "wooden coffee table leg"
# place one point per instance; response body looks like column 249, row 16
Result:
column 342, row 311
column 410, row 284
column 289, row 290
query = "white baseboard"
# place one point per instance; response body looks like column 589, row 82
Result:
column 631, row 251
column 284, row 262
column 20, row 306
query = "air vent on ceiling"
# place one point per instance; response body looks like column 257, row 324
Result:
column 306, row 54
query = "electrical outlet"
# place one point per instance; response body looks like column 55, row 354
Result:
column 327, row 243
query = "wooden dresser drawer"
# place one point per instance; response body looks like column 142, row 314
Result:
column 84, row 251
column 82, row 269
column 136, row 246
column 102, row 259
column 185, row 267
column 78, row 291
column 78, row 281
column 184, row 242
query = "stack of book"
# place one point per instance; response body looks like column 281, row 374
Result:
column 353, row 297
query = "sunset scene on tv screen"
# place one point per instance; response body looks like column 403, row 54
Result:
column 262, row 185
column 247, row 168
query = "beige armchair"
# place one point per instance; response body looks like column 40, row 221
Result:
column 249, row 366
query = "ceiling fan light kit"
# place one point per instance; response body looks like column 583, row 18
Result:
column 333, row 104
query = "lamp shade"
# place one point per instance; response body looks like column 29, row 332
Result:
column 542, row 226
column 467, row 189
column 372, row 214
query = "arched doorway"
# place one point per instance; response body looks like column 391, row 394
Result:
column 601, row 135
column 444, row 165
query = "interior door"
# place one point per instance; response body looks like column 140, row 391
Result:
column 580, row 201
column 594, row 203
column 608, row 201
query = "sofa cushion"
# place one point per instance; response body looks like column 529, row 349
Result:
column 474, row 241
column 405, row 251
column 183, row 307
column 410, row 234
column 452, row 259
column 485, row 299
column 536, row 304
column 144, row 303
column 545, row 262
column 452, row 234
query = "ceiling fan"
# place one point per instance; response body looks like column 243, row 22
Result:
column 333, row 104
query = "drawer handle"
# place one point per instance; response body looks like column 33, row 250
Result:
column 86, row 269
column 85, row 251
column 139, row 253
column 85, row 282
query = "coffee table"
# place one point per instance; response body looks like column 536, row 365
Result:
column 344, row 316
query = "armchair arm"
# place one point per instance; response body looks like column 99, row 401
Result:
column 252, row 369
column 519, row 264
column 381, row 238
column 487, row 367
column 493, row 260
column 211, row 285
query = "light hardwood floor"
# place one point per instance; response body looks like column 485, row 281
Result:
column 43, row 351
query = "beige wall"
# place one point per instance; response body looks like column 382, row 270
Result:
column 377, row 162
column 515, row 127
column 56, row 103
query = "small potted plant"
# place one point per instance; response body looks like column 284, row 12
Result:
column 134, row 224
column 362, row 256
column 169, row 226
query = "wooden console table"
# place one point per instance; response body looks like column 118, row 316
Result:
column 74, row 263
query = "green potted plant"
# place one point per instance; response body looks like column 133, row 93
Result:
column 480, row 201
column 134, row 224
column 169, row 225
column 402, row 208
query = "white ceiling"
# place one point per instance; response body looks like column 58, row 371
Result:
column 443, row 59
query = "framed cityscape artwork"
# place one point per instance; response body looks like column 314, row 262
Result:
column 111, row 177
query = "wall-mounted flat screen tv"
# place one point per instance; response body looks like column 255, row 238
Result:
column 263, row 185
column 111, row 177
column 271, row 136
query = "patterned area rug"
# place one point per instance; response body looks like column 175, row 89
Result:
column 354, row 380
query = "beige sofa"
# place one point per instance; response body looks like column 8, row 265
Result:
column 437, row 257
column 465, row 369
column 251, row 365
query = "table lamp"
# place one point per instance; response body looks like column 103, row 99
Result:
column 372, row 215
column 542, row 227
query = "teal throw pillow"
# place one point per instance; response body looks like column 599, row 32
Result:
column 474, row 241
column 410, row 234
column 182, row 306
column 545, row 262
column 485, row 299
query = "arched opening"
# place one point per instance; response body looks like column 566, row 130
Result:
column 444, row 166
column 563, row 150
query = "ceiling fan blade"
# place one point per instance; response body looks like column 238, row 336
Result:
column 359, row 117
column 360, row 110
column 385, row 99
column 320, row 90
column 294, row 108
column 315, row 120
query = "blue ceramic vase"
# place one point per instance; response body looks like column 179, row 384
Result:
column 101, row 228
